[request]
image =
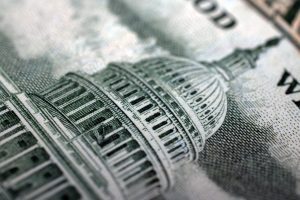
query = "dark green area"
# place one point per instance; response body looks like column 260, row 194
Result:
column 238, row 160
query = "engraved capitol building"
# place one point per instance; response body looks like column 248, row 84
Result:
column 117, row 134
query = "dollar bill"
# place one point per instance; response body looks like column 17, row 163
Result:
column 135, row 99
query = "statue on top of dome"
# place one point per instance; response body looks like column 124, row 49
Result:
column 241, row 60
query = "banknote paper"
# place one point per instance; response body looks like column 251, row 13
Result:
column 136, row 99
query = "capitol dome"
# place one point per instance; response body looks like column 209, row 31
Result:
column 132, row 124
column 197, row 88
column 193, row 93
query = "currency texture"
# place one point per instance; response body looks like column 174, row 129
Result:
column 135, row 99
